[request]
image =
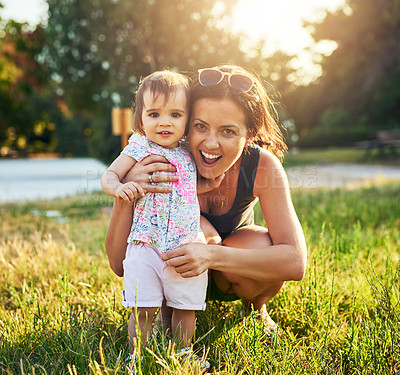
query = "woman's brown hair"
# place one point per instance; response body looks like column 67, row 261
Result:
column 261, row 115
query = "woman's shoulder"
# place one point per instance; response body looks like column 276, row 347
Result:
column 265, row 156
column 268, row 159
column 270, row 172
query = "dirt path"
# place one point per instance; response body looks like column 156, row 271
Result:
column 341, row 175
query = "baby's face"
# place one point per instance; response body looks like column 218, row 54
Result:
column 164, row 122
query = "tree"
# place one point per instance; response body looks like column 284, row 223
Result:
column 25, row 102
column 361, row 77
column 98, row 50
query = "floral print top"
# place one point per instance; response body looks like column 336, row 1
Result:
column 166, row 220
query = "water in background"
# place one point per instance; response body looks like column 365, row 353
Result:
column 33, row 179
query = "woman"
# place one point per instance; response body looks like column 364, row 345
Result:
column 231, row 117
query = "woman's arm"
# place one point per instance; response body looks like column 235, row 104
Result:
column 117, row 234
column 288, row 255
column 247, row 255
column 159, row 168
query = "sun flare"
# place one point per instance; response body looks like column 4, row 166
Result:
column 280, row 23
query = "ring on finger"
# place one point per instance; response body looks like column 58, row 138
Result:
column 151, row 178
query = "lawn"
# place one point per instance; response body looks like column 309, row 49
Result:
column 61, row 307
column 338, row 155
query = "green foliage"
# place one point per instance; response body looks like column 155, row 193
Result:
column 336, row 129
column 27, row 106
column 98, row 51
column 361, row 77
column 323, row 156
column 61, row 313
column 91, row 55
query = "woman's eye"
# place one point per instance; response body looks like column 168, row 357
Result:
column 199, row 126
column 229, row 132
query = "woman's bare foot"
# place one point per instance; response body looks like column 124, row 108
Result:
column 269, row 325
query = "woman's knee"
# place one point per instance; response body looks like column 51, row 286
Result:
column 250, row 237
column 254, row 291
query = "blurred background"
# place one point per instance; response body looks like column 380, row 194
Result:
column 333, row 66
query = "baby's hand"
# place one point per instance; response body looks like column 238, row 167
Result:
column 130, row 191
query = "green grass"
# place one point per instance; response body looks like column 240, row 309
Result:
column 61, row 309
column 337, row 155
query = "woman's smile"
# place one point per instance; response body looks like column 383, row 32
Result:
column 209, row 158
column 217, row 135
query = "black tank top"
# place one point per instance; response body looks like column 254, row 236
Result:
column 241, row 213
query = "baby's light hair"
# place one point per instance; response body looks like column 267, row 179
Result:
column 161, row 83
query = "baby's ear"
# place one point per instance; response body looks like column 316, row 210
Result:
column 138, row 128
column 141, row 130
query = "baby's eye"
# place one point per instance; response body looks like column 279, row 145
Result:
column 154, row 114
column 177, row 114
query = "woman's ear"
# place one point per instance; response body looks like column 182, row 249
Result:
column 249, row 141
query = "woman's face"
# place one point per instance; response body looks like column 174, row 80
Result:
column 217, row 135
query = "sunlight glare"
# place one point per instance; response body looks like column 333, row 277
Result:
column 280, row 23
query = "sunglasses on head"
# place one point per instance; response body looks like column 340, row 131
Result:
column 238, row 81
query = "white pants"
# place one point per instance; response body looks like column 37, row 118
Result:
column 148, row 281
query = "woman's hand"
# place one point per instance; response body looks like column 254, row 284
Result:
column 150, row 171
column 189, row 260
